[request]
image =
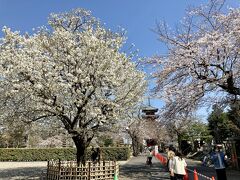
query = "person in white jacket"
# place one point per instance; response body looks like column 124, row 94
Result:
column 178, row 166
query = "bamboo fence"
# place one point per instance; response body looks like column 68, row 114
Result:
column 66, row 170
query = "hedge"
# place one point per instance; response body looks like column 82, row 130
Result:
column 25, row 154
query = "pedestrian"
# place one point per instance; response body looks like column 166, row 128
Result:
column 178, row 165
column 149, row 157
column 205, row 161
column 170, row 153
column 99, row 154
column 94, row 155
column 218, row 159
column 170, row 165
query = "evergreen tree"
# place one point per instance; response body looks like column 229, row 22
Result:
column 219, row 125
column 234, row 117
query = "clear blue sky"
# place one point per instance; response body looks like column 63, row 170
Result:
column 138, row 17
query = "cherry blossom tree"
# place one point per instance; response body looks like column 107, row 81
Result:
column 73, row 71
column 140, row 128
column 176, row 127
column 132, row 126
column 202, row 64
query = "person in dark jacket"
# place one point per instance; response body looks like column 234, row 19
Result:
column 218, row 159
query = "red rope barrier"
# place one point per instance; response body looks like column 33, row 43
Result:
column 163, row 161
column 161, row 158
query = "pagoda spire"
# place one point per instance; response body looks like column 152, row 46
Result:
column 149, row 111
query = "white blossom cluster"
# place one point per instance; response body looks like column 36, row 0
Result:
column 73, row 71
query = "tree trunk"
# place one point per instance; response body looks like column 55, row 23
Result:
column 81, row 146
column 135, row 145
column 179, row 139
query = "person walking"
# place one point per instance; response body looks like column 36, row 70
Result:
column 170, row 152
column 96, row 155
column 219, row 161
column 99, row 155
column 178, row 166
column 149, row 157
column 170, row 165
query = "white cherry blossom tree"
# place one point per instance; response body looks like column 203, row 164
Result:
column 73, row 71
column 203, row 61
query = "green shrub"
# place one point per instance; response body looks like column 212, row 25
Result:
column 116, row 153
column 106, row 141
column 24, row 154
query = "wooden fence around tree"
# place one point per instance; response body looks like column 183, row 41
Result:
column 66, row 170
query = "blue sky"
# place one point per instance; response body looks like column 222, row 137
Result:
column 137, row 17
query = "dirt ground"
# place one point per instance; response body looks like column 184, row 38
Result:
column 22, row 170
column 26, row 170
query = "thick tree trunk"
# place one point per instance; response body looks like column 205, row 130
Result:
column 81, row 146
column 135, row 145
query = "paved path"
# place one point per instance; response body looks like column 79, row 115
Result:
column 210, row 171
column 136, row 169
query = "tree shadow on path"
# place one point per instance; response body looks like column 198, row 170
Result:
column 136, row 169
column 22, row 173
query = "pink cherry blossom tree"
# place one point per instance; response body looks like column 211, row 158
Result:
column 202, row 64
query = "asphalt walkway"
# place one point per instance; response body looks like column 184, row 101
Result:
column 136, row 169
